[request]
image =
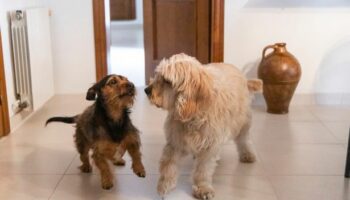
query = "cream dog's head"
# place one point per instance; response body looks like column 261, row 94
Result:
column 181, row 85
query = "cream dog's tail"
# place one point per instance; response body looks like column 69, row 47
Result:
column 255, row 85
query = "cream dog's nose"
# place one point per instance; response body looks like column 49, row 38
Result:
column 148, row 90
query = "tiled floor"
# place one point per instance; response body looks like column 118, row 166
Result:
column 301, row 156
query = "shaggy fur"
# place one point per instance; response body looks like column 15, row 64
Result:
column 105, row 127
column 207, row 105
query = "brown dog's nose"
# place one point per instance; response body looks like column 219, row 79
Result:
column 148, row 90
column 130, row 86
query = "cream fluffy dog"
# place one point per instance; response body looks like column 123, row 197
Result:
column 207, row 105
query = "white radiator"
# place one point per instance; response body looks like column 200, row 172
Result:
column 32, row 57
column 21, row 62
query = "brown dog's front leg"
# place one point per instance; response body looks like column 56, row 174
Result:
column 106, row 174
column 133, row 148
column 118, row 157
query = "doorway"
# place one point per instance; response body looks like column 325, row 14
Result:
column 200, row 33
column 127, row 56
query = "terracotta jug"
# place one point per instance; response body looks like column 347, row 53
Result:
column 280, row 72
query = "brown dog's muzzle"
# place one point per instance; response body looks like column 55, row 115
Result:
column 130, row 88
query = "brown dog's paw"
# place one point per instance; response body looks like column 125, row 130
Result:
column 85, row 168
column 107, row 185
column 119, row 162
column 141, row 174
column 139, row 170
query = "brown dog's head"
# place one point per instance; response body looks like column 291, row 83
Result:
column 113, row 89
column 181, row 85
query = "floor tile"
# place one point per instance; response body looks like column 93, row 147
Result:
column 243, row 188
column 331, row 113
column 291, row 132
column 341, row 130
column 311, row 187
column 26, row 158
column 302, row 159
column 20, row 187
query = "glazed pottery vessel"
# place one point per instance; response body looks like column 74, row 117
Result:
column 280, row 72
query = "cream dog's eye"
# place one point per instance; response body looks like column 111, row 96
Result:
column 167, row 82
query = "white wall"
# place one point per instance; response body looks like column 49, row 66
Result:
column 39, row 40
column 5, row 6
column 296, row 3
column 319, row 37
column 73, row 45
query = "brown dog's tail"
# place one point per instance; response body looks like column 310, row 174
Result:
column 255, row 85
column 67, row 120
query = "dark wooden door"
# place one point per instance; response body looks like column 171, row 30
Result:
column 176, row 26
column 4, row 115
column 122, row 9
column 195, row 27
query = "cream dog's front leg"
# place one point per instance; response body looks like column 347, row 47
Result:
column 202, row 175
column 168, row 170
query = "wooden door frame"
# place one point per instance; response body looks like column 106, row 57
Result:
column 101, row 16
column 217, row 31
column 3, row 98
column 101, row 25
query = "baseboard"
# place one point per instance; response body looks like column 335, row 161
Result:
column 19, row 118
column 123, row 25
column 311, row 99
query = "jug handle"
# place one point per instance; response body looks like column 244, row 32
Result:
column 266, row 48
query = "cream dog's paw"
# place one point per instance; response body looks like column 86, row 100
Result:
column 165, row 186
column 247, row 157
column 203, row 192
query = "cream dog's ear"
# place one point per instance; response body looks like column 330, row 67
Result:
column 190, row 80
column 151, row 79
column 194, row 98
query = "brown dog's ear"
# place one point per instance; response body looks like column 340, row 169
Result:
column 95, row 90
column 91, row 94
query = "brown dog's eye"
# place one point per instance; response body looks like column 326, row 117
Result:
column 112, row 82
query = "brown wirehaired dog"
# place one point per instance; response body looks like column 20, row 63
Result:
column 106, row 128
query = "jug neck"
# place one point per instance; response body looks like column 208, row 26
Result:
column 280, row 48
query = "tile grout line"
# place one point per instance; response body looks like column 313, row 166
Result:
column 266, row 174
column 64, row 173
column 278, row 196
column 325, row 126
